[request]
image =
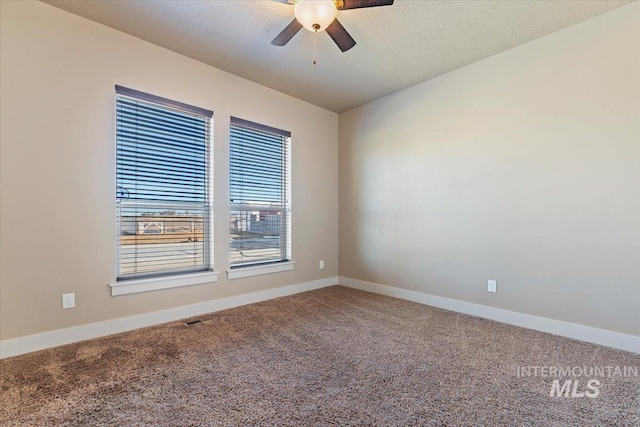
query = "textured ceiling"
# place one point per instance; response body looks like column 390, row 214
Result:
column 398, row 46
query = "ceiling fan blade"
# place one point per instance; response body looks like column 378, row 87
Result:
column 339, row 35
column 286, row 34
column 359, row 4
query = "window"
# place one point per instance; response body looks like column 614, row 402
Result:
column 163, row 186
column 260, row 194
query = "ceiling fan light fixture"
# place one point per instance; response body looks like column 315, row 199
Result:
column 315, row 15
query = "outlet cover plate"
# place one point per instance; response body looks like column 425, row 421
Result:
column 68, row 301
column 492, row 286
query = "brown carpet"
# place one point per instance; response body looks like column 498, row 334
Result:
column 334, row 356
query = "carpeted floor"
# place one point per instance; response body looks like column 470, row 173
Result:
column 335, row 356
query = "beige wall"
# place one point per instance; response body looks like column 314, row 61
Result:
column 523, row 168
column 58, row 168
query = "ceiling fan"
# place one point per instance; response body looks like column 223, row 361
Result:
column 320, row 15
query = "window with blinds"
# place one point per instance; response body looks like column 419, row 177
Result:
column 260, row 220
column 163, row 186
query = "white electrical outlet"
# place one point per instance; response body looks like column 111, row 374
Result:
column 68, row 301
column 321, row 264
column 492, row 286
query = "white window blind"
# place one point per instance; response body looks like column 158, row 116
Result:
column 163, row 186
column 260, row 220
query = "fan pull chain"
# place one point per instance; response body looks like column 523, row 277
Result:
column 314, row 47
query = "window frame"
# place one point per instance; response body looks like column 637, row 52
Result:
column 141, row 282
column 285, row 263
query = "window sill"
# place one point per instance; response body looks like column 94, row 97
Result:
column 157, row 283
column 259, row 270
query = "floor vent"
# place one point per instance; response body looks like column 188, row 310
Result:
column 193, row 322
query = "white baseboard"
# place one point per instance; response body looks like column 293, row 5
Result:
column 27, row 344
column 21, row 345
column 557, row 327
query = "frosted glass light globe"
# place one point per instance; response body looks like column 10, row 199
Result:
column 315, row 15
